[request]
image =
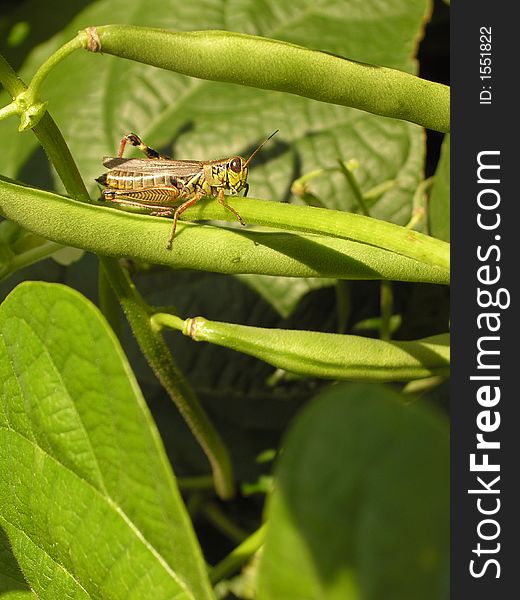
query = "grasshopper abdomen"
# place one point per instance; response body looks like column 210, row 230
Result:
column 128, row 180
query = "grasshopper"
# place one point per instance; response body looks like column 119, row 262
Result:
column 158, row 182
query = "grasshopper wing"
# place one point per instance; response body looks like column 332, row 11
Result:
column 177, row 168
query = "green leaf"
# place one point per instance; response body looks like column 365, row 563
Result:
column 12, row 583
column 358, row 457
column 439, row 203
column 89, row 502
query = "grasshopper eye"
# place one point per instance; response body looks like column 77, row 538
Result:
column 235, row 165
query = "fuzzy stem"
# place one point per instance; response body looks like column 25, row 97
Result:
column 160, row 359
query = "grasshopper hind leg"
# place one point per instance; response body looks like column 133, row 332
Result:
column 135, row 140
column 140, row 199
column 178, row 212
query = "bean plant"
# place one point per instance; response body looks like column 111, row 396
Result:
column 257, row 412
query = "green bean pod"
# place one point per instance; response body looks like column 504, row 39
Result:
column 324, row 355
column 231, row 251
column 275, row 65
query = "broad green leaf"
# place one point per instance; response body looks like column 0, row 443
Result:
column 361, row 502
column 88, row 502
column 12, row 583
column 439, row 203
column 25, row 25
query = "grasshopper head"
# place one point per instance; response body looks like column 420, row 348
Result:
column 238, row 169
column 237, row 172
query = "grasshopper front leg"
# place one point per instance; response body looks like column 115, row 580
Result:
column 190, row 202
column 222, row 200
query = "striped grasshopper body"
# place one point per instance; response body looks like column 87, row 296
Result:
column 167, row 187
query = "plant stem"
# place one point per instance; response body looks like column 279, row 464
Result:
column 59, row 154
column 218, row 518
column 387, row 305
column 8, row 111
column 33, row 255
column 109, row 302
column 385, row 287
column 75, row 44
column 240, row 555
column 50, row 138
column 343, row 304
column 419, row 202
column 162, row 320
column 160, row 359
column 378, row 190
column 351, row 180
column 196, row 483
column 10, row 80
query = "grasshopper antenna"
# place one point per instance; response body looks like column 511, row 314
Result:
column 260, row 147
